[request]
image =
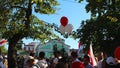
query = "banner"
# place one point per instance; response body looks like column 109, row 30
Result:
column 2, row 42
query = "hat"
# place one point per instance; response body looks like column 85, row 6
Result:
column 31, row 58
column 111, row 61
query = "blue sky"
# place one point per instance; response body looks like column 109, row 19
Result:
column 75, row 12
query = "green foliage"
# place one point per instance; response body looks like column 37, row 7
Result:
column 103, row 29
column 100, row 7
column 19, row 12
column 2, row 50
column 45, row 6
column 80, row 1
column 18, row 22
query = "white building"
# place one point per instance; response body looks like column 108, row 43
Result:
column 31, row 47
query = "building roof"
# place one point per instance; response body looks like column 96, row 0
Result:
column 32, row 44
column 50, row 44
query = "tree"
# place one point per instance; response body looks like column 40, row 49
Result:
column 2, row 50
column 103, row 29
column 18, row 22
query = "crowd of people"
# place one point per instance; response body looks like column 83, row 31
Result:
column 59, row 61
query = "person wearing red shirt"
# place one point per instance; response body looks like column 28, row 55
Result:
column 76, row 62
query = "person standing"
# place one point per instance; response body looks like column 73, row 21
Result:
column 5, row 61
column 86, row 61
column 31, row 62
column 1, row 62
column 100, row 59
column 76, row 63
column 57, row 57
column 63, row 63
column 42, row 61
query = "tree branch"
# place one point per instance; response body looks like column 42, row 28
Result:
column 18, row 7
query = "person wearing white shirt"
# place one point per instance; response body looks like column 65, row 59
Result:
column 42, row 62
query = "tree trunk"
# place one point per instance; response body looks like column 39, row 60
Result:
column 12, row 55
column 12, row 50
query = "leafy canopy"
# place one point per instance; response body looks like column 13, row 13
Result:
column 103, row 29
column 16, row 17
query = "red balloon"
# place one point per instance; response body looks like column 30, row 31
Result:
column 64, row 21
column 117, row 53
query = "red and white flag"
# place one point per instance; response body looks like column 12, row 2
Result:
column 92, row 58
column 2, row 42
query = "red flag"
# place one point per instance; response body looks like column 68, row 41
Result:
column 2, row 42
column 92, row 58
